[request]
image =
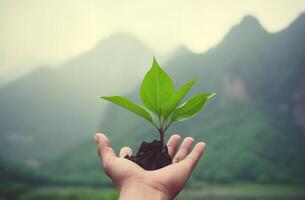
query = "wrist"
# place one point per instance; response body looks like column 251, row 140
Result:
column 139, row 190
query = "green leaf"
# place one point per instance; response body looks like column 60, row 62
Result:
column 129, row 105
column 157, row 87
column 191, row 107
column 176, row 98
column 155, row 119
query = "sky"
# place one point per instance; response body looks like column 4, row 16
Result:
column 48, row 32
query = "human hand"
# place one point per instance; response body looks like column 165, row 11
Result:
column 133, row 182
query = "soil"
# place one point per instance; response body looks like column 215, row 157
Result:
column 151, row 155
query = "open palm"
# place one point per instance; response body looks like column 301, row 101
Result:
column 169, row 180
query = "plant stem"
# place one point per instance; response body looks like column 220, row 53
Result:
column 167, row 126
column 161, row 132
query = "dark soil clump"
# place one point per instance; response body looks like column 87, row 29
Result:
column 151, row 156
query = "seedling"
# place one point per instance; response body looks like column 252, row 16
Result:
column 161, row 100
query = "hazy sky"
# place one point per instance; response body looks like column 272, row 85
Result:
column 35, row 32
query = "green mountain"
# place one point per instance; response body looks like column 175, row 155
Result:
column 47, row 112
column 12, row 172
column 254, row 127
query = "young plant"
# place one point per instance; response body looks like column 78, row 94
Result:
column 161, row 100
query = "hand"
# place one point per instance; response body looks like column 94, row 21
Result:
column 133, row 182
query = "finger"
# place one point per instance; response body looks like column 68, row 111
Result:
column 172, row 144
column 104, row 147
column 192, row 159
column 184, row 149
column 125, row 151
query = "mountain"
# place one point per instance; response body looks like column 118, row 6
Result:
column 47, row 112
column 12, row 172
column 254, row 127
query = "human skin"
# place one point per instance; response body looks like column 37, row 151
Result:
column 135, row 183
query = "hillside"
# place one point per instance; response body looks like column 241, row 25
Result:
column 254, row 128
column 47, row 112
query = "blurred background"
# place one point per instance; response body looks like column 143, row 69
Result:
column 57, row 57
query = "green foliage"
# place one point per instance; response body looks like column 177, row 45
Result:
column 191, row 107
column 176, row 98
column 12, row 171
column 157, row 87
column 129, row 105
column 161, row 100
column 28, row 192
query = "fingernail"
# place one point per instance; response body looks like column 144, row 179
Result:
column 96, row 137
column 203, row 143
